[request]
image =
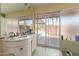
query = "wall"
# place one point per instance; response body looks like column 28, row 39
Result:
column 8, row 25
column 70, row 25
column 12, row 25
column 3, row 26
column 0, row 25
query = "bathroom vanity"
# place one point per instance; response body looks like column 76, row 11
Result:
column 18, row 46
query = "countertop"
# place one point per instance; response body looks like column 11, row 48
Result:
column 19, row 38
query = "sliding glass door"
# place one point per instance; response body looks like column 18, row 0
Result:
column 40, row 31
column 47, row 31
column 53, row 32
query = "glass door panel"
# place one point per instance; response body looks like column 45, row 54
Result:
column 53, row 32
column 41, row 34
column 47, row 30
column 40, row 31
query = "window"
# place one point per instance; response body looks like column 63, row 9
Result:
column 28, row 22
column 21, row 22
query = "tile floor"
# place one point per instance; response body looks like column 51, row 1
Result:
column 44, row 51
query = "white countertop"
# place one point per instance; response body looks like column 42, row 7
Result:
column 19, row 38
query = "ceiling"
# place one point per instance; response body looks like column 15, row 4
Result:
column 70, row 12
column 13, row 7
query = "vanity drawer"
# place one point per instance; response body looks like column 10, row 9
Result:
column 17, row 51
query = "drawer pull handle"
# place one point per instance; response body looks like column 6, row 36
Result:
column 21, row 48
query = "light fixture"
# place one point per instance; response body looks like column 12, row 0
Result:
column 27, row 4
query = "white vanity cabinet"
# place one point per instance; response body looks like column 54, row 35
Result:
column 17, row 47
